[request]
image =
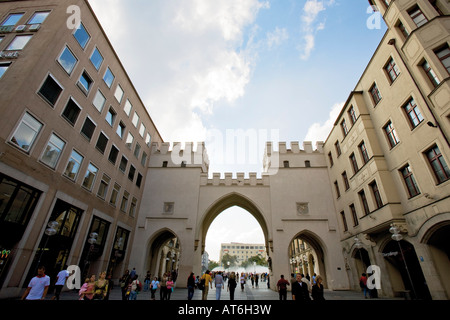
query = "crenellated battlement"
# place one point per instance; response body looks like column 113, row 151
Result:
column 174, row 155
column 295, row 147
column 239, row 180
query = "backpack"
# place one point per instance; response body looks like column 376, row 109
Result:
column 138, row 285
column 201, row 284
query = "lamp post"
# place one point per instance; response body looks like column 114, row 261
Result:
column 396, row 236
column 50, row 231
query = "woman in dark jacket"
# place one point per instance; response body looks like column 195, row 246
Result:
column 232, row 285
column 317, row 290
column 191, row 286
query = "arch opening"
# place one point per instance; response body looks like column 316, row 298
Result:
column 164, row 254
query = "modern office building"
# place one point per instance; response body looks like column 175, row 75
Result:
column 388, row 155
column 242, row 251
column 74, row 144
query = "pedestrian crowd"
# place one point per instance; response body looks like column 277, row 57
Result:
column 301, row 287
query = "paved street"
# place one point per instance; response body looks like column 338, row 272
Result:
column 249, row 293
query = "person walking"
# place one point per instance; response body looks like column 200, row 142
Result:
column 38, row 286
column 147, row 281
column 163, row 287
column 134, row 288
column 363, row 284
column 170, row 285
column 124, row 281
column 242, row 281
column 219, row 283
column 60, row 282
column 154, row 285
column 232, row 284
column 191, row 285
column 300, row 290
column 282, row 287
column 100, row 287
column 207, row 283
column 89, row 293
column 317, row 289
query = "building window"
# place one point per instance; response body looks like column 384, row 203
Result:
column 123, row 164
column 120, row 130
column 438, row 164
column 114, row 194
column 12, row 19
column 52, row 151
column 99, row 101
column 108, row 77
column 113, row 153
column 285, row 164
column 135, row 120
column 375, row 94
column 345, row 179
column 139, row 180
column 111, row 116
column 431, row 74
column 338, row 148
column 330, row 158
column 354, row 163
column 96, row 59
column 354, row 215
column 417, row 16
column 103, row 188
column 338, row 192
column 376, row 194
column 144, row 159
column 19, row 43
column 102, row 142
column 3, row 67
column 71, row 112
column 118, row 94
column 436, row 5
column 127, row 107
column 67, row 60
column 344, row 221
column 129, row 141
column 39, row 17
column 137, row 150
column 365, row 205
column 413, row 113
column 88, row 128
column 148, row 139
column 410, row 182
column 26, row 132
column 364, row 153
column 392, row 70
column 82, row 36
column 73, row 166
column 403, row 29
column 85, row 82
column 50, row 90
column 352, row 115
column 124, row 203
column 444, row 56
column 131, row 173
column 142, row 130
column 89, row 177
column 344, row 127
column 391, row 134
column 133, row 205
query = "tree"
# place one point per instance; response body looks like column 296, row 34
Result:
column 258, row 259
column 212, row 264
column 228, row 258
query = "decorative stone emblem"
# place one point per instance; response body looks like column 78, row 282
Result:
column 302, row 208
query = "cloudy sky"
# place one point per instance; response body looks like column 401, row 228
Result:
column 218, row 70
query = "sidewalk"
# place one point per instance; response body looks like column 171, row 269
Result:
column 249, row 293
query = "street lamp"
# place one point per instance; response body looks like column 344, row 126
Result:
column 50, row 231
column 397, row 236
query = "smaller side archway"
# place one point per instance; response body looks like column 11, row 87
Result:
column 164, row 253
column 306, row 256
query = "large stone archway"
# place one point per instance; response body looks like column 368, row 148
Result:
column 180, row 196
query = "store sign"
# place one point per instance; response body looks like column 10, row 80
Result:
column 9, row 54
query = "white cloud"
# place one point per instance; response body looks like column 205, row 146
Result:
column 277, row 37
column 310, row 26
column 320, row 132
column 182, row 56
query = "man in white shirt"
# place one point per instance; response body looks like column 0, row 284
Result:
column 38, row 286
column 60, row 282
